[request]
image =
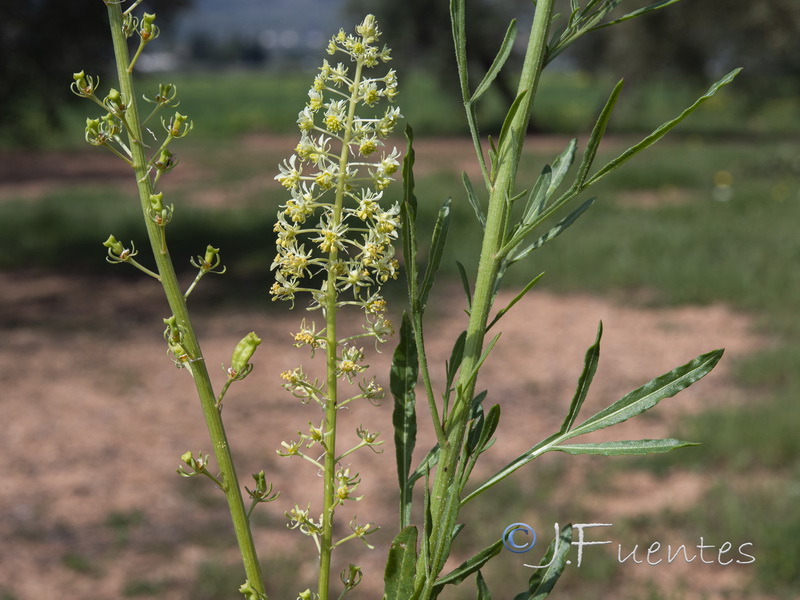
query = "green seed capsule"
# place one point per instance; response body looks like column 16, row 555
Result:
column 244, row 352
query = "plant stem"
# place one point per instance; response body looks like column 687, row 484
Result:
column 331, row 349
column 177, row 304
column 444, row 487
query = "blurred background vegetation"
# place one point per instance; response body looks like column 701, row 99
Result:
column 722, row 226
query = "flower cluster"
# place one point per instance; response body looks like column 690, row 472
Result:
column 335, row 242
column 334, row 225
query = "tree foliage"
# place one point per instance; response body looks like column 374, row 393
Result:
column 699, row 40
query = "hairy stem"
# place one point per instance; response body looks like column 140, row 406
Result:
column 445, row 492
column 177, row 304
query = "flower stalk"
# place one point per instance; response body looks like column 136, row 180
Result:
column 195, row 362
column 351, row 248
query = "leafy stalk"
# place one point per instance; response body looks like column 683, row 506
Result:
column 444, row 494
column 175, row 298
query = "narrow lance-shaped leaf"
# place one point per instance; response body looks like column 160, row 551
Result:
column 431, row 459
column 470, row 566
column 483, row 589
column 472, row 197
column 476, row 422
column 590, row 363
column 650, row 394
column 462, row 273
column 661, row 131
column 632, row 404
column 401, row 566
column 458, row 27
column 402, row 380
column 598, row 131
column 499, row 61
column 505, row 130
column 544, row 578
column 516, row 299
column 408, row 215
column 561, row 165
column 625, row 447
column 637, row 13
column 559, row 228
column 435, row 255
column 538, row 195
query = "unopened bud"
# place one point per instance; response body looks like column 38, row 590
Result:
column 114, row 245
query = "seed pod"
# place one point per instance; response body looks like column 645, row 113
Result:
column 240, row 362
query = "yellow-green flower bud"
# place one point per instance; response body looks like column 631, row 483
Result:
column 211, row 258
column 81, row 82
column 177, row 123
column 94, row 135
column 114, row 101
column 240, row 362
column 249, row 592
column 165, row 160
column 147, row 30
column 114, row 246
column 156, row 202
column 187, row 457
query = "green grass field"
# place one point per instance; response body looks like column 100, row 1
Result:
column 708, row 215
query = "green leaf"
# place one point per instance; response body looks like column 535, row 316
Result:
column 458, row 27
column 625, row 447
column 650, row 394
column 561, row 165
column 483, row 589
column 430, row 461
column 544, row 578
column 468, row 567
column 506, row 128
column 499, row 61
column 631, row 405
column 472, row 197
column 402, row 380
column 408, row 216
column 590, row 363
column 661, row 131
column 476, row 422
column 456, row 356
column 462, row 273
column 516, row 299
column 482, row 359
column 401, row 566
column 538, row 195
column 485, row 429
column 559, row 228
column 438, row 240
column 637, row 13
column 597, row 134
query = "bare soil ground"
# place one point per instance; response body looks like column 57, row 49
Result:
column 95, row 417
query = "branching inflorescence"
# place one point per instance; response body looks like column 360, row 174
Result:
column 336, row 243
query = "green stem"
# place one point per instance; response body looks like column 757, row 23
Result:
column 445, row 490
column 177, row 304
column 331, row 348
